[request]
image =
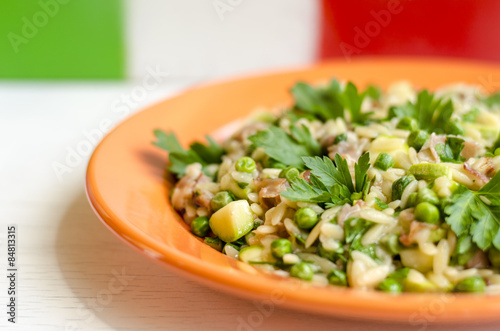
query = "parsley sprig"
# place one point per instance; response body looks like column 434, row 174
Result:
column 180, row 158
column 431, row 113
column 287, row 148
column 492, row 100
column 332, row 101
column 331, row 181
column 477, row 213
column 451, row 150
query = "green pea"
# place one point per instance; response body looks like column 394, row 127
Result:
column 302, row 270
column 471, row 285
column 390, row 285
column 340, row 137
column 426, row 212
column 290, row 174
column 427, row 195
column 200, row 226
column 245, row 164
column 384, row 161
column 337, row 277
column 417, row 139
column 497, row 151
column 390, row 242
column 280, row 247
column 494, row 256
column 329, row 254
column 399, row 186
column 305, row 218
column 407, row 123
column 220, row 199
column 455, row 128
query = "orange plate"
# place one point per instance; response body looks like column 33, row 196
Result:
column 127, row 189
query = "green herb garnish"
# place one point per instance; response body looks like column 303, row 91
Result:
column 477, row 213
column 180, row 158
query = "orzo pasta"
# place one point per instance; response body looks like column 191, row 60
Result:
column 395, row 191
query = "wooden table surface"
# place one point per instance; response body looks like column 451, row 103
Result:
column 73, row 274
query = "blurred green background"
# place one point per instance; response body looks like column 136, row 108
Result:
column 62, row 39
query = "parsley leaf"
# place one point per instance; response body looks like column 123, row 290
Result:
column 302, row 190
column 460, row 211
column 492, row 100
column 382, row 205
column 284, row 148
column 373, row 92
column 354, row 229
column 352, row 101
column 180, row 158
column 167, row 141
column 491, row 190
column 328, row 173
column 211, row 153
column 331, row 182
column 422, row 110
column 425, row 108
column 360, row 172
column 451, row 150
column 303, row 136
column 431, row 114
column 330, row 102
column 442, row 117
column 471, row 116
column 321, row 102
column 477, row 213
column 338, row 173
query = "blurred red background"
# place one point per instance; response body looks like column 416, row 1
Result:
column 453, row 28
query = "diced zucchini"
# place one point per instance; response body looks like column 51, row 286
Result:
column 232, row 221
column 399, row 186
column 429, row 171
column 416, row 282
column 251, row 254
column 415, row 259
column 386, row 144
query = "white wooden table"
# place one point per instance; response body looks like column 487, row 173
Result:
column 73, row 274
